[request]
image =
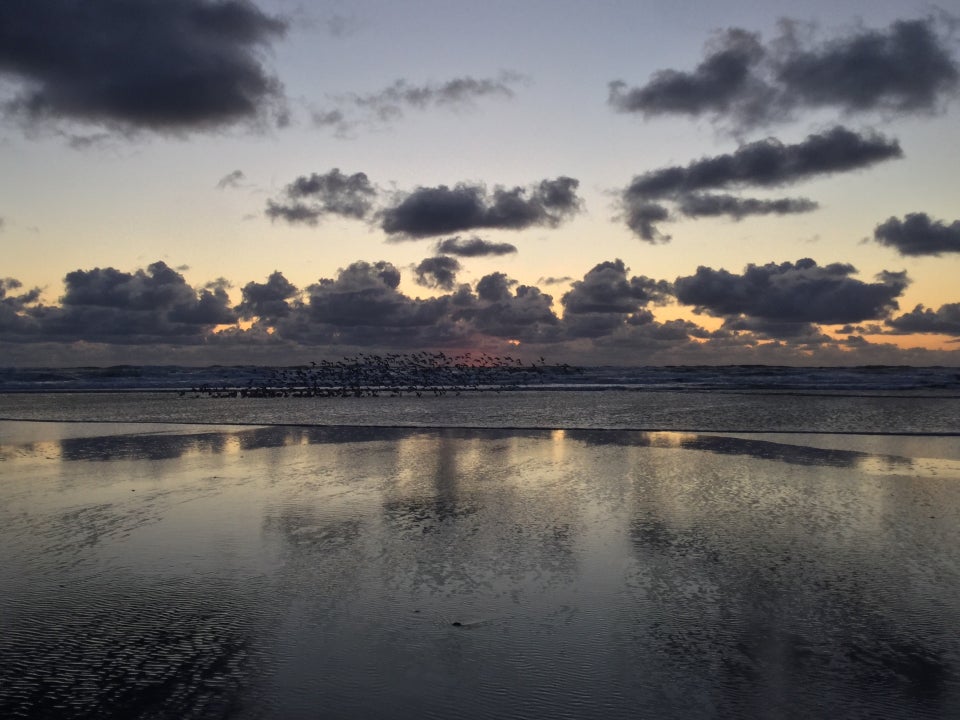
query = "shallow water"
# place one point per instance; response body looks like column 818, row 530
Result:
column 164, row 571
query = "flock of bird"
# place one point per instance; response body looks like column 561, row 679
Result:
column 396, row 374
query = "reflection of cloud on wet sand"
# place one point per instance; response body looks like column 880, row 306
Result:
column 347, row 568
column 171, row 446
column 795, row 454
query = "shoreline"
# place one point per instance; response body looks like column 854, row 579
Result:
column 505, row 428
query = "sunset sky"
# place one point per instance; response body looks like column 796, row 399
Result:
column 192, row 181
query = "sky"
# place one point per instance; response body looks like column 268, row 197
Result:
column 229, row 181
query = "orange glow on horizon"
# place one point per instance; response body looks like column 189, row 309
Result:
column 925, row 342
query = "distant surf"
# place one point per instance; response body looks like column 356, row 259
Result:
column 854, row 381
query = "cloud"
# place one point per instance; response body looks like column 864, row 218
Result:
column 231, row 180
column 868, row 329
column 944, row 320
column 605, row 299
column 310, row 198
column 438, row 272
column 329, row 118
column 550, row 280
column 905, row 68
column 12, row 306
column 918, row 234
column 362, row 307
column 708, row 205
column 606, row 289
column 172, row 67
column 16, row 303
column 642, row 217
column 392, row 102
column 267, row 301
column 725, row 82
column 494, row 287
column 108, row 305
column 524, row 314
column 770, row 163
column 430, row 211
column 765, row 163
column 767, row 329
column 770, row 314
column 800, row 292
column 473, row 247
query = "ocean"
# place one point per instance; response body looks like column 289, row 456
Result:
column 744, row 542
column 741, row 398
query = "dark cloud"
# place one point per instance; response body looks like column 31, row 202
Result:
column 944, row 320
column 868, row 329
column 725, row 82
column 605, row 299
column 363, row 307
column 641, row 339
column 918, row 234
column 160, row 292
column 525, row 314
column 494, row 287
column 642, row 217
column 770, row 163
column 17, row 302
column 310, row 198
column 158, row 286
column 163, row 65
column 906, row 68
column 438, row 272
column 776, row 329
column 231, row 180
column 365, row 294
column 709, row 205
column 473, row 247
column 267, row 301
column 606, row 289
column 764, row 163
column 801, row 292
column 440, row 210
column 147, row 306
column 774, row 310
column 13, row 305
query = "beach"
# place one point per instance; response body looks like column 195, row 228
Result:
column 159, row 569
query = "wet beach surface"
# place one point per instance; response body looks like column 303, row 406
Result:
column 542, row 409
column 186, row 571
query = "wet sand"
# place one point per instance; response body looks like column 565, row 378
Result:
column 197, row 571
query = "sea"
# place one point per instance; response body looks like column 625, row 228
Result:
column 600, row 542
column 873, row 399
